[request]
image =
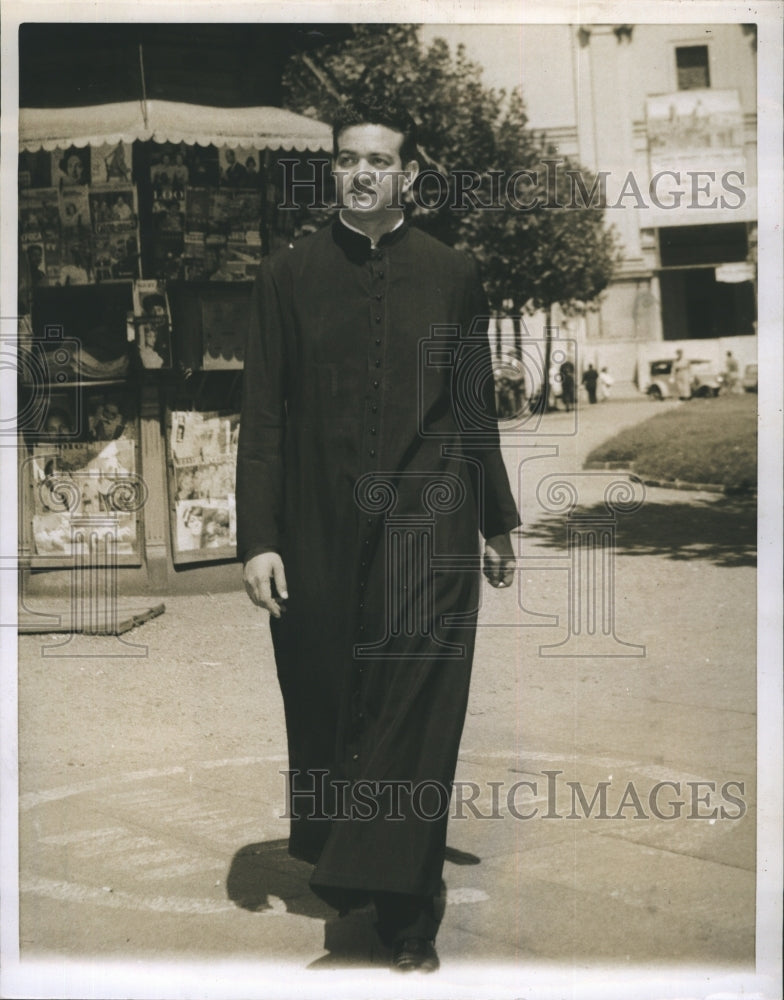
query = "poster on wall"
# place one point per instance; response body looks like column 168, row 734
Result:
column 82, row 482
column 202, row 451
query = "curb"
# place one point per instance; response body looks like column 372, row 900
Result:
column 673, row 484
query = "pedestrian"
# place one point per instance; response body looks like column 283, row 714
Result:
column 605, row 384
column 567, row 385
column 589, row 380
column 342, row 420
column 681, row 370
column 732, row 374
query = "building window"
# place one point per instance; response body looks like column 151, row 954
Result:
column 692, row 64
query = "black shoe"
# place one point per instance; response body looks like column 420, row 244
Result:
column 415, row 955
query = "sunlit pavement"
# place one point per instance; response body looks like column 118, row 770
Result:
column 151, row 793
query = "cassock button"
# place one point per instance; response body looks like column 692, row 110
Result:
column 370, row 519
column 381, row 274
column 375, row 384
column 378, row 319
column 378, row 364
column 363, row 564
column 355, row 756
column 372, row 431
column 379, row 297
column 372, row 453
column 374, row 408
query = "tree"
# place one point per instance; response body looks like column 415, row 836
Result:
column 556, row 251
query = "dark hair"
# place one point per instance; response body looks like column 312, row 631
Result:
column 393, row 116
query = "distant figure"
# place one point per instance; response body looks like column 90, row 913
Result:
column 590, row 378
column 731, row 374
column 567, row 384
column 605, row 384
column 681, row 370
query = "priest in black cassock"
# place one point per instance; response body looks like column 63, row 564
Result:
column 368, row 465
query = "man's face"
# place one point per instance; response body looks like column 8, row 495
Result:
column 370, row 176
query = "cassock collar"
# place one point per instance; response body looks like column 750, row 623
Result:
column 357, row 246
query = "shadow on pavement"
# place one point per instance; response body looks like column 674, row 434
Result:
column 722, row 531
column 264, row 876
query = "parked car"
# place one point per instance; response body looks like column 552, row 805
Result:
column 705, row 380
column 750, row 377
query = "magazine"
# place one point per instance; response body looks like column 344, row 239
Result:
column 113, row 209
column 111, row 163
column 93, row 478
column 35, row 169
column 203, row 455
column 71, row 167
column 239, row 167
column 39, row 215
column 74, row 206
column 152, row 321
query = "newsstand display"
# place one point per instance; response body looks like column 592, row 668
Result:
column 136, row 261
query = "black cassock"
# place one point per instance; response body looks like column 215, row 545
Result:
column 369, row 458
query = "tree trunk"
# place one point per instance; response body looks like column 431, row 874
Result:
column 548, row 347
column 518, row 337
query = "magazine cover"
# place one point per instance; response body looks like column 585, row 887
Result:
column 111, row 164
column 152, row 321
column 76, row 266
column 35, row 169
column 239, row 166
column 113, row 209
column 197, row 210
column 70, row 167
column 92, row 476
column 116, row 256
column 204, row 527
column 168, row 226
column 74, row 205
column 169, row 170
column 39, row 215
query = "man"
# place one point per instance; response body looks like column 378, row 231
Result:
column 359, row 465
column 731, row 374
column 681, row 373
column 590, row 378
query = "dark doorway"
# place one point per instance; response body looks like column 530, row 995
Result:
column 694, row 305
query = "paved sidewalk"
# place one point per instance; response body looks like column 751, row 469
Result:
column 150, row 792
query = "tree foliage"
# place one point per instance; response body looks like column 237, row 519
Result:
column 530, row 258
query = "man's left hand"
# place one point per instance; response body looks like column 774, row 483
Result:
column 499, row 562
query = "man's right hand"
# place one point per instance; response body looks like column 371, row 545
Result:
column 260, row 574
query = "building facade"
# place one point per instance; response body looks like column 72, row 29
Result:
column 665, row 115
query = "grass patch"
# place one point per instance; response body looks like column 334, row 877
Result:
column 702, row 441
